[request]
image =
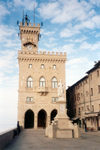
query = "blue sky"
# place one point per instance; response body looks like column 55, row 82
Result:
column 71, row 26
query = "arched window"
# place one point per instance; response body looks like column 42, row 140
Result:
column 42, row 82
column 29, row 82
column 54, row 82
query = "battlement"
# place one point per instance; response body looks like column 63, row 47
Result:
column 43, row 53
column 29, row 28
column 29, row 25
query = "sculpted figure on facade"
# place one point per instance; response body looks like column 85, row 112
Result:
column 61, row 89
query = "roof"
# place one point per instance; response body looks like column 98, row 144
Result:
column 85, row 77
column 96, row 66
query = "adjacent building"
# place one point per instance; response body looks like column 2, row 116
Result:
column 84, row 99
column 39, row 75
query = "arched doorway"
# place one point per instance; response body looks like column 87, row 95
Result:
column 29, row 119
column 53, row 114
column 42, row 116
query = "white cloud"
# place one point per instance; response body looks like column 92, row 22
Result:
column 68, row 32
column 91, row 23
column 48, row 10
column 95, row 2
column 68, row 48
column 65, row 11
column 27, row 4
column 76, row 69
column 89, row 46
column 8, row 36
column 47, row 33
column 3, row 10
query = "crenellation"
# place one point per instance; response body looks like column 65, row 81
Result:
column 43, row 53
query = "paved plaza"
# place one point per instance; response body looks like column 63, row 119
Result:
column 35, row 140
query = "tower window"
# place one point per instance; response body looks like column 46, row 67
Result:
column 29, row 82
column 42, row 82
column 91, row 91
column 42, row 66
column 54, row 82
column 30, row 66
column 29, row 99
column 54, row 66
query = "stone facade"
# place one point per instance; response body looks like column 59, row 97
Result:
column 84, row 99
column 39, row 74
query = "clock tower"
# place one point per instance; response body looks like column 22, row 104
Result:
column 39, row 75
column 29, row 35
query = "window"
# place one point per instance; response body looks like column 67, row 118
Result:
column 54, row 82
column 54, row 99
column 93, row 108
column 42, row 66
column 30, row 66
column 91, row 76
column 91, row 91
column 78, row 96
column 29, row 99
column 54, row 66
column 29, row 82
column 98, row 88
column 42, row 82
column 97, row 73
column 79, row 112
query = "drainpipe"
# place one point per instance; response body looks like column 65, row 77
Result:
column 90, row 94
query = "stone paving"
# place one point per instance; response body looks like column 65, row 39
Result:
column 35, row 140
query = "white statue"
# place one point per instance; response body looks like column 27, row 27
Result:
column 60, row 89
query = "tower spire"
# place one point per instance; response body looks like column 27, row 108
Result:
column 34, row 14
column 23, row 18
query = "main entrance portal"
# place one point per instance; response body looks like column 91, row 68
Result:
column 42, row 118
column 29, row 119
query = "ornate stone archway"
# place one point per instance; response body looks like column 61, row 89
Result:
column 29, row 119
column 42, row 118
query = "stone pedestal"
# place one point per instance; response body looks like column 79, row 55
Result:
column 62, row 127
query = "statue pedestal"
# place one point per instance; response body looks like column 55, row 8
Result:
column 62, row 127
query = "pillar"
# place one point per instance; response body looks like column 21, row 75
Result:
column 48, row 121
column 35, row 122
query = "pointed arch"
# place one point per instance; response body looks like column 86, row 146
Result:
column 42, row 82
column 29, row 119
column 53, row 114
column 42, row 118
column 29, row 82
column 54, row 82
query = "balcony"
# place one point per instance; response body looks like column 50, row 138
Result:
column 42, row 90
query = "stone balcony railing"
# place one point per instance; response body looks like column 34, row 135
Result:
column 42, row 90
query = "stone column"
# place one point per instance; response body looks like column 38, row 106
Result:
column 35, row 122
column 48, row 121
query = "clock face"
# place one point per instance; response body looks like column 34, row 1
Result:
column 29, row 47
